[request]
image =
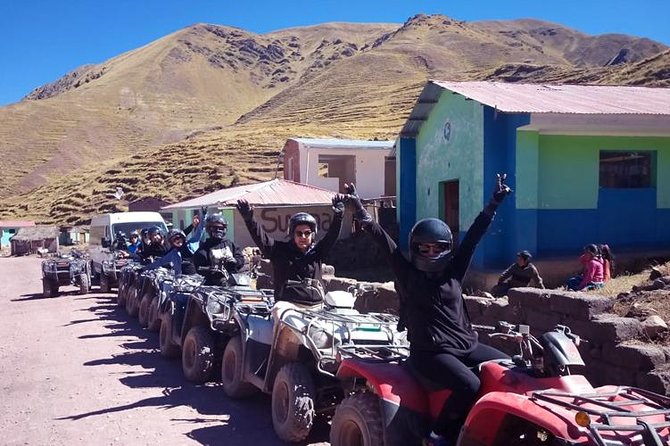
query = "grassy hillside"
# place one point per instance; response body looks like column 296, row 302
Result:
column 211, row 106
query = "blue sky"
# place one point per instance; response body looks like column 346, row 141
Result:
column 41, row 40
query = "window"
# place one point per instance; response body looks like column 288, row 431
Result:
column 626, row 170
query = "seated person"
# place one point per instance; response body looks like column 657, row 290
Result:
column 180, row 255
column 217, row 252
column 608, row 262
column 520, row 274
column 135, row 242
column 592, row 275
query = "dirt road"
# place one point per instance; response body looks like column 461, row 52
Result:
column 76, row 370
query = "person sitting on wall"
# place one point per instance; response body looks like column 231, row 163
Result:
column 520, row 274
column 608, row 262
column 592, row 276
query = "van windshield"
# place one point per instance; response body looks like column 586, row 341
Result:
column 131, row 226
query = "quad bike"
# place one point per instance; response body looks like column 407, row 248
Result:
column 128, row 277
column 195, row 318
column 531, row 400
column 293, row 354
column 146, row 299
column 111, row 272
column 66, row 269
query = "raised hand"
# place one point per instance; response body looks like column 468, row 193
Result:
column 338, row 203
column 246, row 210
column 501, row 190
column 350, row 189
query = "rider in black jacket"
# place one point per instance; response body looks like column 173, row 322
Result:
column 443, row 345
column 217, row 251
column 299, row 258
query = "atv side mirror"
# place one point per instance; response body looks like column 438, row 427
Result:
column 105, row 242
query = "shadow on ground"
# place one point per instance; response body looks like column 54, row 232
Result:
column 239, row 422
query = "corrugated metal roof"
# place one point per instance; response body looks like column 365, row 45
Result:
column 16, row 223
column 278, row 192
column 317, row 143
column 581, row 99
column 540, row 98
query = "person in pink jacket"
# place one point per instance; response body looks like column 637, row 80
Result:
column 592, row 276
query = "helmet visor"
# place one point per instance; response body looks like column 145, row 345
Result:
column 433, row 250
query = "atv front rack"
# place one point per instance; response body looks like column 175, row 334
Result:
column 622, row 413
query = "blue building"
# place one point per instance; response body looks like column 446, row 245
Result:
column 588, row 164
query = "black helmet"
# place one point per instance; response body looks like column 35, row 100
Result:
column 524, row 255
column 301, row 218
column 173, row 234
column 213, row 221
column 155, row 230
column 120, row 235
column 432, row 231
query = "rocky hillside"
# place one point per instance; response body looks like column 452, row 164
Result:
column 210, row 106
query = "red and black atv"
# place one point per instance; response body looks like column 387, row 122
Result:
column 532, row 399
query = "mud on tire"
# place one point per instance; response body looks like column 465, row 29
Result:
column 293, row 395
column 84, row 284
column 143, row 311
column 232, row 372
column 197, row 354
column 357, row 422
column 104, row 283
column 154, row 321
column 49, row 289
column 168, row 349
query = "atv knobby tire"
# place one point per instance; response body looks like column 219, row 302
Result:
column 49, row 288
column 132, row 305
column 154, row 322
column 357, row 422
column 84, row 284
column 232, row 373
column 293, row 395
column 168, row 348
column 104, row 283
column 123, row 297
column 197, row 354
column 143, row 311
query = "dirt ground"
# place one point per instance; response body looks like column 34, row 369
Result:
column 75, row 370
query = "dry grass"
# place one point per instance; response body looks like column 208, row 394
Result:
column 210, row 106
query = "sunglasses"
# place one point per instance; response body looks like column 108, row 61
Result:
column 433, row 248
column 302, row 233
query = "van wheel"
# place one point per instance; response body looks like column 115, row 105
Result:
column 293, row 402
column 232, row 373
column 357, row 422
column 168, row 348
column 154, row 322
column 197, row 354
column 104, row 283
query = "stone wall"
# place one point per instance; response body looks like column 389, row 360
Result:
column 610, row 353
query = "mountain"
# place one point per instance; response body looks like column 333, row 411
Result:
column 210, row 106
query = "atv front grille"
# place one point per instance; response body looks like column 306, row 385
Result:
column 623, row 416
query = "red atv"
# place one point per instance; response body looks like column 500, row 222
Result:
column 531, row 400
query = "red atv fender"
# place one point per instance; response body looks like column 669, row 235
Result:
column 396, row 386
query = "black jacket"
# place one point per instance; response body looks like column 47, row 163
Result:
column 202, row 258
column 152, row 251
column 431, row 305
column 289, row 263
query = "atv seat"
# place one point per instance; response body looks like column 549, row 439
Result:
column 428, row 383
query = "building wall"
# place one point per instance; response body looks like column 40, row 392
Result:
column 564, row 208
column 369, row 170
column 292, row 161
column 449, row 146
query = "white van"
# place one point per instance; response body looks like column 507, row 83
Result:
column 104, row 227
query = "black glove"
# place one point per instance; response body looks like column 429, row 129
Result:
column 360, row 212
column 246, row 210
column 501, row 190
column 338, row 204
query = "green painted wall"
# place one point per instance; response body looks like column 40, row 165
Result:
column 567, row 176
column 527, row 163
column 461, row 157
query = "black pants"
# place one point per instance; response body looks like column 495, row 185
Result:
column 454, row 372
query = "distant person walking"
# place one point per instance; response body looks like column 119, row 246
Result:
column 519, row 274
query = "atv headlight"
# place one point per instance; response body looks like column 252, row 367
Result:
column 320, row 337
column 214, row 307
